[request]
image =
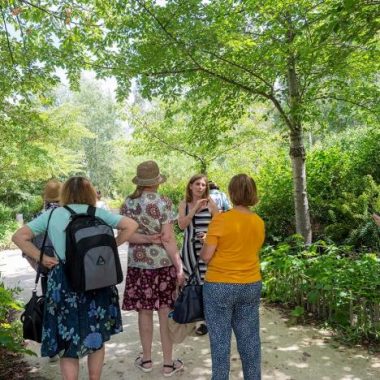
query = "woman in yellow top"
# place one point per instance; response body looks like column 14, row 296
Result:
column 232, row 285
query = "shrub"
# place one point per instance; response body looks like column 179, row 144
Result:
column 328, row 281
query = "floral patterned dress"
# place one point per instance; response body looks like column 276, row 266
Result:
column 151, row 276
column 77, row 323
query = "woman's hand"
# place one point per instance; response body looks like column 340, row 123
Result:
column 156, row 238
column 180, row 278
column 376, row 218
column 200, row 204
column 201, row 236
column 49, row 262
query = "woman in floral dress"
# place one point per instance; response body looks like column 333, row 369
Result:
column 154, row 264
column 76, row 324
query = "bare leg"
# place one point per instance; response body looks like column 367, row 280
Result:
column 95, row 363
column 166, row 343
column 146, row 334
column 69, row 368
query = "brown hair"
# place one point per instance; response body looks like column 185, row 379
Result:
column 242, row 190
column 196, row 177
column 78, row 190
column 137, row 193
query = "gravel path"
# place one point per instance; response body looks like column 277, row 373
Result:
column 289, row 352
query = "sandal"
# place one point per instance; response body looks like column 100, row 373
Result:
column 139, row 363
column 173, row 367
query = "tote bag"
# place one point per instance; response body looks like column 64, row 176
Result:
column 188, row 307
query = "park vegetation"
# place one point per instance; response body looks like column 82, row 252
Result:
column 286, row 91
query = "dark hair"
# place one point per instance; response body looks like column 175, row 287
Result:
column 78, row 190
column 212, row 185
column 242, row 190
column 196, row 177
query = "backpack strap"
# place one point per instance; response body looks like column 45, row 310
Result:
column 70, row 210
column 91, row 210
column 42, row 251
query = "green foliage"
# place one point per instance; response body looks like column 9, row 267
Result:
column 276, row 202
column 349, row 217
column 10, row 327
column 101, row 116
column 330, row 282
column 7, row 225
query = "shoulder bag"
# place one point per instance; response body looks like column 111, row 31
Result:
column 188, row 306
column 32, row 317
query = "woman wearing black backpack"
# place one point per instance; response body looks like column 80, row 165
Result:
column 76, row 324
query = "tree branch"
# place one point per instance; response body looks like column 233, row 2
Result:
column 197, row 64
column 360, row 105
column 171, row 72
column 7, row 36
column 172, row 147
column 54, row 14
column 257, row 76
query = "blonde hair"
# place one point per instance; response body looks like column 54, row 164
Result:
column 196, row 177
column 78, row 190
column 242, row 190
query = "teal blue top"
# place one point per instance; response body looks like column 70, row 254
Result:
column 60, row 220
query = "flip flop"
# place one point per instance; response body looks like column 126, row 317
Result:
column 139, row 363
column 173, row 367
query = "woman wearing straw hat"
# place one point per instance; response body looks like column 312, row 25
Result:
column 154, row 264
column 51, row 197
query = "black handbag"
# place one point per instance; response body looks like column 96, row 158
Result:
column 32, row 317
column 189, row 305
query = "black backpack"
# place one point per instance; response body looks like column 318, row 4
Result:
column 92, row 259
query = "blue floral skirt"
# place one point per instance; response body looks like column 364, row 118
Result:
column 77, row 323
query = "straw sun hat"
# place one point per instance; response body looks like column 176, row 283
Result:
column 52, row 190
column 148, row 174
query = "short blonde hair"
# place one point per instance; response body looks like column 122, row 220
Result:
column 78, row 190
column 242, row 190
column 196, row 177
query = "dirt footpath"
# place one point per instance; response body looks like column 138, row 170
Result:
column 297, row 353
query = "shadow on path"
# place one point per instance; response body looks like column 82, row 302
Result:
column 288, row 353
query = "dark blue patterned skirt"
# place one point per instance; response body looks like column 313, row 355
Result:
column 77, row 323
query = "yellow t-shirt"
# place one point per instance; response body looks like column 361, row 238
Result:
column 238, row 237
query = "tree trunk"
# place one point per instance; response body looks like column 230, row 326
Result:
column 298, row 155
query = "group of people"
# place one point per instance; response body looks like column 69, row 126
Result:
column 221, row 244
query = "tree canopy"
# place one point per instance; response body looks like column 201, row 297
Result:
column 219, row 56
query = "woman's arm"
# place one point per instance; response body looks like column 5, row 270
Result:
column 376, row 218
column 183, row 219
column 207, row 252
column 23, row 239
column 138, row 238
column 170, row 245
column 126, row 227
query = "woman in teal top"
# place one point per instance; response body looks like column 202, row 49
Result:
column 76, row 324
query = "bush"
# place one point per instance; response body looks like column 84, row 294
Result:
column 330, row 282
column 8, row 225
column 10, row 327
